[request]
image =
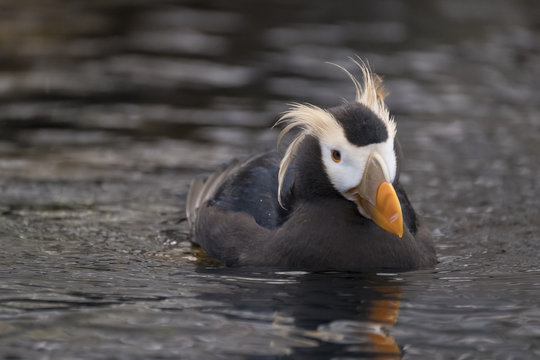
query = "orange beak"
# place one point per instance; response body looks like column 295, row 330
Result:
column 376, row 198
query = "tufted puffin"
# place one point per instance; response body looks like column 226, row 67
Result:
column 331, row 200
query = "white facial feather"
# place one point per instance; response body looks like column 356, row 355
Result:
column 317, row 122
column 349, row 171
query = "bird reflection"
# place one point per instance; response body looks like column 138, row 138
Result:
column 384, row 313
column 316, row 315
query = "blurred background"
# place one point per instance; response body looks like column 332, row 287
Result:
column 109, row 108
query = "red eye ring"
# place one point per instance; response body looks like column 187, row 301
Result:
column 336, row 155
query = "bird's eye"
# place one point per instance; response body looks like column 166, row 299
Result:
column 336, row 156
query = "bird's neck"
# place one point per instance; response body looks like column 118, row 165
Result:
column 310, row 180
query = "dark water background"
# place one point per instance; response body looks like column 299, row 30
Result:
column 109, row 108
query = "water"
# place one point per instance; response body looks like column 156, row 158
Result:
column 109, row 108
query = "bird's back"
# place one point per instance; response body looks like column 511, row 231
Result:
column 236, row 217
column 249, row 186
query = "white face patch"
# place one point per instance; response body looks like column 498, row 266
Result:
column 348, row 172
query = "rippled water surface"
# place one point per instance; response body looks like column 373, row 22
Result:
column 109, row 108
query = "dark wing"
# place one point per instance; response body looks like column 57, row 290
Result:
column 203, row 189
column 249, row 187
column 253, row 189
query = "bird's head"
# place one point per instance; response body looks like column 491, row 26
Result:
column 356, row 142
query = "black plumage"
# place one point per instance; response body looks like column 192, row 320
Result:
column 236, row 216
column 244, row 225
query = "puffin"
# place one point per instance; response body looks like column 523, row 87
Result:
column 329, row 200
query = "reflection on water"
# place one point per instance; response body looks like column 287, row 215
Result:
column 350, row 317
column 109, row 108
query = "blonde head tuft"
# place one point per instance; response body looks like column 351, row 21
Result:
column 311, row 120
column 371, row 93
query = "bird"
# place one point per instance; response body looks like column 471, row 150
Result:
column 330, row 200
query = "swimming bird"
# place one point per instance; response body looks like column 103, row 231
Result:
column 331, row 201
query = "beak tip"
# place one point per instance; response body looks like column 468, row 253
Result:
column 391, row 217
column 396, row 227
